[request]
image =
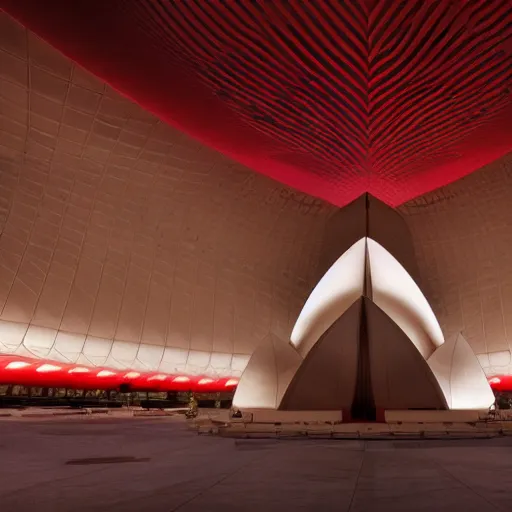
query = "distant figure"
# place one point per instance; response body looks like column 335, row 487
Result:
column 192, row 407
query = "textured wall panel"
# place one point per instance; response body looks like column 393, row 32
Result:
column 463, row 240
column 124, row 238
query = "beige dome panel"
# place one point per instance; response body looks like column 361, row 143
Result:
column 267, row 376
column 460, row 375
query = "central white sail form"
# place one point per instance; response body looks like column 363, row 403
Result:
column 338, row 289
column 387, row 284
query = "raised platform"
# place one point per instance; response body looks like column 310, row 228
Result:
column 329, row 424
column 273, row 416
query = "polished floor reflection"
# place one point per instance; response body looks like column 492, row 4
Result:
column 128, row 465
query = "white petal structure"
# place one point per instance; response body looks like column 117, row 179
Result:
column 389, row 285
column 396, row 293
column 338, row 289
column 396, row 325
column 329, row 378
column 268, row 374
column 460, row 375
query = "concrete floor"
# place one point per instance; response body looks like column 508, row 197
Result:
column 175, row 469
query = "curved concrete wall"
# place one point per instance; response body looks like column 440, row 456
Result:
column 124, row 242
column 462, row 235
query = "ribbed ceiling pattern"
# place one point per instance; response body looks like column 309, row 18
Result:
column 334, row 98
column 341, row 77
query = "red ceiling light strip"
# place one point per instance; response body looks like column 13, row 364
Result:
column 41, row 373
column 501, row 383
column 24, row 371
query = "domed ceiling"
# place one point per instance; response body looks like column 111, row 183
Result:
column 126, row 243
column 333, row 98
